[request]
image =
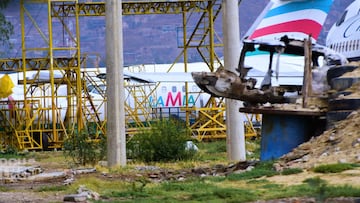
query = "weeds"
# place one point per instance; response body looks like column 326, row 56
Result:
column 260, row 170
column 290, row 171
column 319, row 186
column 51, row 188
column 84, row 150
column 334, row 168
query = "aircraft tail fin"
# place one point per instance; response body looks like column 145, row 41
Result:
column 295, row 19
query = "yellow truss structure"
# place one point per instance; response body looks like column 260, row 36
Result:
column 40, row 122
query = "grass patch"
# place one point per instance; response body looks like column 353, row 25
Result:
column 334, row 168
column 262, row 169
column 290, row 171
column 342, row 191
column 253, row 149
column 321, row 190
column 11, row 156
column 4, row 189
column 214, row 151
column 51, row 188
column 257, row 181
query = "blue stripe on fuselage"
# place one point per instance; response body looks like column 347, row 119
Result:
column 323, row 5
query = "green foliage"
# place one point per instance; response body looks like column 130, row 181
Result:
column 334, row 168
column 322, row 191
column 10, row 150
column 290, row 171
column 253, row 146
column 342, row 191
column 4, row 3
column 4, row 189
column 164, row 141
column 214, row 150
column 6, row 28
column 139, row 184
column 319, row 185
column 260, row 170
column 55, row 188
column 84, row 150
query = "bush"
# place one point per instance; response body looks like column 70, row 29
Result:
column 83, row 150
column 164, row 141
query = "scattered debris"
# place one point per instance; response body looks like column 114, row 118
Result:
column 159, row 175
column 83, row 195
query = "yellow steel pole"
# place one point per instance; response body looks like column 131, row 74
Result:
column 51, row 71
column 185, row 68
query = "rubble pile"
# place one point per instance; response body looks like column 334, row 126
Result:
column 340, row 144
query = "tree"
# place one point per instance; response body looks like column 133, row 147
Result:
column 6, row 28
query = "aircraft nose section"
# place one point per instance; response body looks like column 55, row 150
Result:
column 223, row 83
column 204, row 78
column 218, row 84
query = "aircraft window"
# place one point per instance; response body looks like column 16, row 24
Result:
column 346, row 46
column 183, row 88
column 96, row 91
column 173, row 89
column 342, row 19
column 90, row 88
column 163, row 89
column 353, row 44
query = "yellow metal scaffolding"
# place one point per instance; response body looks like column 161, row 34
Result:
column 58, row 104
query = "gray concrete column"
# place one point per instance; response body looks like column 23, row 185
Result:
column 235, row 135
column 116, row 139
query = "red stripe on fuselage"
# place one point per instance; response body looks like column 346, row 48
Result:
column 306, row 26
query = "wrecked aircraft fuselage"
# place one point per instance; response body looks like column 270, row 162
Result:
column 224, row 83
column 228, row 84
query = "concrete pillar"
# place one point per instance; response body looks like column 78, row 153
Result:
column 235, row 135
column 116, row 139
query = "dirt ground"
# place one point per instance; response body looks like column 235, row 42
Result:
column 338, row 145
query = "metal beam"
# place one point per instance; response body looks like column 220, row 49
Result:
column 61, row 9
